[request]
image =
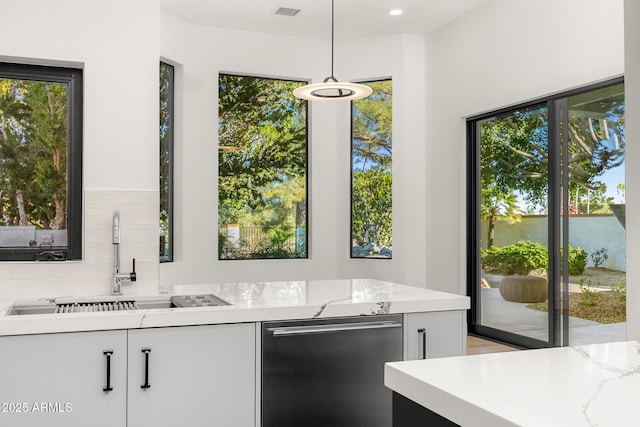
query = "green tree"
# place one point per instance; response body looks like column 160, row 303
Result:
column 166, row 122
column 371, row 167
column 372, row 203
column 515, row 149
column 371, row 133
column 495, row 205
column 262, row 153
column 33, row 153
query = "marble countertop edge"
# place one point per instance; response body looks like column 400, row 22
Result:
column 250, row 302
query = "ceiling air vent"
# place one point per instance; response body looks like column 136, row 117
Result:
column 286, row 11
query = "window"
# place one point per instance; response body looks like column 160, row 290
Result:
column 262, row 175
column 40, row 163
column 371, row 193
column 166, row 161
column 546, row 250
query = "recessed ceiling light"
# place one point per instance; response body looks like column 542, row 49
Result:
column 395, row 12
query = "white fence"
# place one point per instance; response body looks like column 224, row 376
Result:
column 28, row 236
column 590, row 232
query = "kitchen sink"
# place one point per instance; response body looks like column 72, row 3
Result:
column 112, row 304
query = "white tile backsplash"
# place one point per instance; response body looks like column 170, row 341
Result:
column 122, row 200
column 92, row 275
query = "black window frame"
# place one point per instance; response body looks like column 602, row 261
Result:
column 73, row 78
column 351, row 111
column 307, row 108
column 170, row 173
column 557, row 227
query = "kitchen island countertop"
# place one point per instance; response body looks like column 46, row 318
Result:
column 250, row 302
column 591, row 385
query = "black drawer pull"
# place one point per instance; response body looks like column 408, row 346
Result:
column 146, row 384
column 424, row 342
column 108, row 387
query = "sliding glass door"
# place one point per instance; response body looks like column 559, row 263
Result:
column 545, row 244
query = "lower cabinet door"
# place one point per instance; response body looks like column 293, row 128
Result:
column 192, row 376
column 66, row 379
column 435, row 334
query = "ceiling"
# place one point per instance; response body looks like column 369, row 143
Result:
column 353, row 18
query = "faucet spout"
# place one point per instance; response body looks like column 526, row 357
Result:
column 118, row 278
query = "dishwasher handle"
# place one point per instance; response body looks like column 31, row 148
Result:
column 336, row 327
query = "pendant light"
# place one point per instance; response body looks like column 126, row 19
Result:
column 331, row 89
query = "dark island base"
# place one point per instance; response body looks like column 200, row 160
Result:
column 407, row 413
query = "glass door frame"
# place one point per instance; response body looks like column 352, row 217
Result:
column 558, row 220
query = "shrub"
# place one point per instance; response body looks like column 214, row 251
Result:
column 599, row 257
column 519, row 258
column 577, row 261
column 524, row 256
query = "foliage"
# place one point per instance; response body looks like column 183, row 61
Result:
column 262, row 153
column 498, row 204
column 577, row 260
column 372, row 125
column 621, row 290
column 602, row 307
column 166, row 123
column 33, row 153
column 371, row 203
column 589, row 295
column 620, row 190
column 515, row 151
column 371, row 206
column 525, row 256
column 598, row 257
column 519, row 258
column 275, row 245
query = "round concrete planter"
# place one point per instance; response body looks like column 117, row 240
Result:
column 528, row 289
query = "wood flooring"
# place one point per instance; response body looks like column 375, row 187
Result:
column 477, row 345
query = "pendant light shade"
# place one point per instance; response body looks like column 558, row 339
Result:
column 331, row 89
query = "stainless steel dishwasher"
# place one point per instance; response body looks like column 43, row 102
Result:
column 329, row 372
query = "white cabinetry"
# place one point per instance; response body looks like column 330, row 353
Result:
column 434, row 334
column 197, row 375
column 60, row 379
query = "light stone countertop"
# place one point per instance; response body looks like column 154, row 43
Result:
column 250, row 302
column 592, row 385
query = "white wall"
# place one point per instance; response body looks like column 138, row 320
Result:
column 116, row 44
column 210, row 52
column 496, row 56
column 632, row 99
column 503, row 53
column 400, row 57
column 201, row 53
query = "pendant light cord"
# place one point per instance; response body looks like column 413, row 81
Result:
column 331, row 89
column 332, row 36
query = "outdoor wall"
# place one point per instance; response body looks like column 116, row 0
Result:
column 501, row 54
column 589, row 232
column 116, row 44
column 632, row 196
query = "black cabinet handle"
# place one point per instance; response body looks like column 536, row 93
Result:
column 146, row 384
column 424, row 342
column 108, row 387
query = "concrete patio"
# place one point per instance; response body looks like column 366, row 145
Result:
column 517, row 318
